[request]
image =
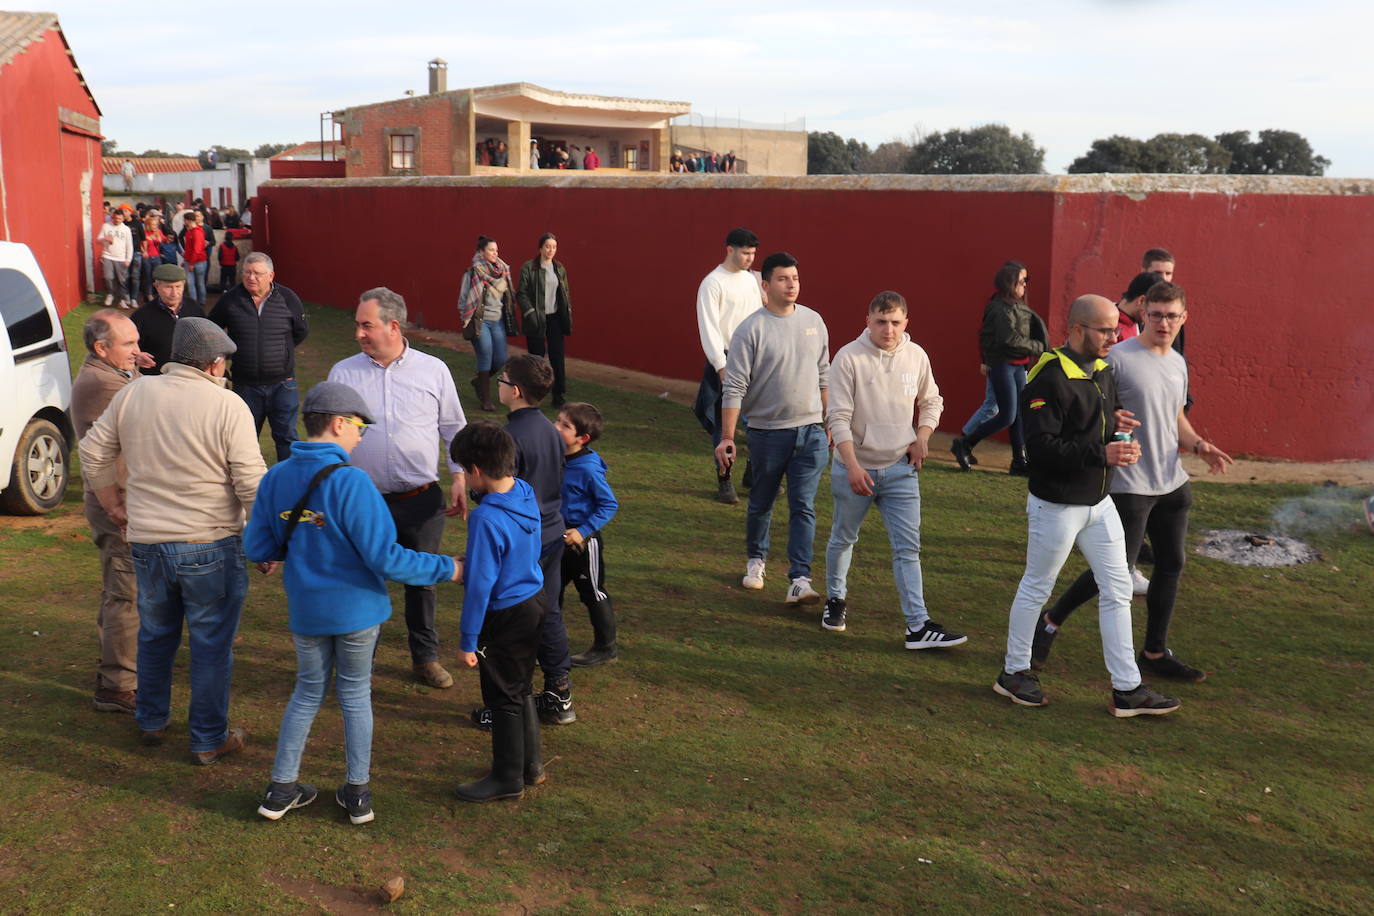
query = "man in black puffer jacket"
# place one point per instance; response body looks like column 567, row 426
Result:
column 266, row 321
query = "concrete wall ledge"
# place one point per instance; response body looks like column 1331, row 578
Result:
column 1132, row 184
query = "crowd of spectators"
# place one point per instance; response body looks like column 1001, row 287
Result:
column 185, row 238
column 703, row 162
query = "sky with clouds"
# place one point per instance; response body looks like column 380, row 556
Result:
column 187, row 76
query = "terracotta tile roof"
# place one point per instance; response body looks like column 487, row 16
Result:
column 311, row 150
column 19, row 30
column 112, row 164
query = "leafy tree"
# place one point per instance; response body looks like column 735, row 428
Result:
column 1276, row 152
column 1185, row 154
column 1242, row 150
column 271, row 149
column 1114, row 154
column 109, row 147
column 158, row 154
column 827, row 153
column 990, row 149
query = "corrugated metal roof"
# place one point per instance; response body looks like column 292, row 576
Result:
column 111, row 165
column 19, row 30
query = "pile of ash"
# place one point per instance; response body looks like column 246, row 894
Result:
column 1245, row 548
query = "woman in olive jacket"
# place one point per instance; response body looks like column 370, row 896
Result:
column 1012, row 339
column 546, row 310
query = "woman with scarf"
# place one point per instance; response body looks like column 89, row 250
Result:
column 486, row 307
column 1012, row 339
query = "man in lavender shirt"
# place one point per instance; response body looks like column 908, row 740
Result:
column 415, row 407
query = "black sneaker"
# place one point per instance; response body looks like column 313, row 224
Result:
column 1169, row 666
column 282, row 797
column 832, row 618
column 1041, row 644
column 555, row 706
column 933, row 636
column 481, row 717
column 1022, row 688
column 1141, row 702
column 357, row 801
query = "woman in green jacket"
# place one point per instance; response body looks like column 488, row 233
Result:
column 546, row 309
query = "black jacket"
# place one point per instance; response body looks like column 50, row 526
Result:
column 1068, row 420
column 539, row 462
column 267, row 341
column 155, row 328
column 531, row 298
column 1011, row 331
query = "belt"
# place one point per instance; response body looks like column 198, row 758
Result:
column 407, row 494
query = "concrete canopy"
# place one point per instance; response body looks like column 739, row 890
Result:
column 535, row 104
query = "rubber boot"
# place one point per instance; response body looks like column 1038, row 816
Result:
column 506, row 779
column 481, row 384
column 1020, row 465
column 603, row 648
column 962, row 448
column 534, row 746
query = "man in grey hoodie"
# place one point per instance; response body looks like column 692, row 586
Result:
column 884, row 404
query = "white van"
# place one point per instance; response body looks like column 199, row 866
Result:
column 35, row 389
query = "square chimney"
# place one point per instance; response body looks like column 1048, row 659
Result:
column 438, row 75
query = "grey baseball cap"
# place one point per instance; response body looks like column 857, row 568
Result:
column 199, row 341
column 336, row 399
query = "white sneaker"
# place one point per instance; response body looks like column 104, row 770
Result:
column 1139, row 584
column 801, row 592
column 109, row 298
column 753, row 573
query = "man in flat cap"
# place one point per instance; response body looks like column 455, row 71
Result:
column 193, row 468
column 156, row 320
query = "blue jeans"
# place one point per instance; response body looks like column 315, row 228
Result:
column 149, row 265
column 799, row 454
column 897, row 491
column 276, row 403
column 195, row 281
column 1007, row 382
column 136, row 278
column 490, row 346
column 204, row 585
column 984, row 413
column 346, row 659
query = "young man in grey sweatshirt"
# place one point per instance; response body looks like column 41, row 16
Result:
column 884, row 404
column 776, row 374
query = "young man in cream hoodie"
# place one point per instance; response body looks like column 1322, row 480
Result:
column 884, row 405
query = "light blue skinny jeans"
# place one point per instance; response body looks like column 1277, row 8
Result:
column 345, row 659
column 897, row 492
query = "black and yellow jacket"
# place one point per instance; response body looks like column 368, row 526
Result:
column 1067, row 415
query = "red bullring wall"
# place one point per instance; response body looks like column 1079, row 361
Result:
column 1271, row 266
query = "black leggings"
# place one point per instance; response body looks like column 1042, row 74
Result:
column 1165, row 518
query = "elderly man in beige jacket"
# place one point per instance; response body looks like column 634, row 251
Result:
column 884, row 404
column 193, row 470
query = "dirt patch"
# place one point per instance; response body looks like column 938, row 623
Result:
column 341, row 901
column 1127, row 780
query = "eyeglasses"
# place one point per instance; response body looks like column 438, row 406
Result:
column 362, row 427
column 1105, row 332
column 502, row 380
column 1161, row 317
column 1023, row 282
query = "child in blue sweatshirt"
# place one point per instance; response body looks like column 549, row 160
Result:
column 338, row 557
column 502, row 608
column 588, row 505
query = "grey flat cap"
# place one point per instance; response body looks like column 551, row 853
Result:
column 199, row 341
column 336, row 399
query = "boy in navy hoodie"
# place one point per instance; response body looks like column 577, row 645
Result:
column 588, row 505
column 338, row 554
column 539, row 462
column 502, row 608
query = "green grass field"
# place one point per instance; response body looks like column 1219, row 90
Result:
column 737, row 758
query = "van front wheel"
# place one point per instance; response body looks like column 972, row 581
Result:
column 38, row 478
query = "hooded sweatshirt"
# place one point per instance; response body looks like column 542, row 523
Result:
column 502, row 564
column 874, row 395
column 343, row 549
column 588, row 503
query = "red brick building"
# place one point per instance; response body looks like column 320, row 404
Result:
column 50, row 163
column 437, row 133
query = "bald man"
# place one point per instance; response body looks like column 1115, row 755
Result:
column 1072, row 417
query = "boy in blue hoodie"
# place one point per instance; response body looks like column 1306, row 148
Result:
column 329, row 523
column 502, row 608
column 588, row 505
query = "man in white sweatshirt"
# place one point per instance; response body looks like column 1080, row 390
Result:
column 726, row 296
column 884, row 405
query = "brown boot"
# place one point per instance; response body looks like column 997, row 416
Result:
column 481, row 384
column 234, row 741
